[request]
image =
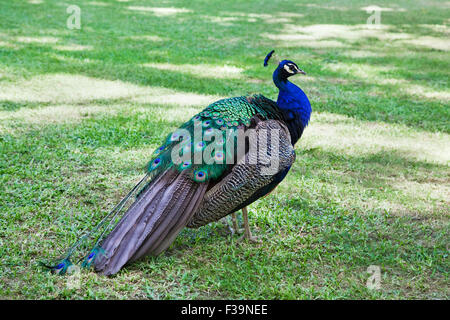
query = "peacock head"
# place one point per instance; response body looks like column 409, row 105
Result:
column 285, row 69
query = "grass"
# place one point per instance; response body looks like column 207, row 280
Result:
column 82, row 110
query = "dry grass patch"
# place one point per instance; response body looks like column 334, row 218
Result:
column 74, row 47
column 382, row 9
column 64, row 88
column 144, row 37
column 41, row 40
column 202, row 70
column 159, row 12
column 354, row 137
column 430, row 42
column 353, row 33
column 58, row 114
column 376, row 74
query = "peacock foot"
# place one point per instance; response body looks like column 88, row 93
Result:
column 251, row 238
column 226, row 229
column 237, row 231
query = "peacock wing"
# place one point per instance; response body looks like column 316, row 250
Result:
column 253, row 176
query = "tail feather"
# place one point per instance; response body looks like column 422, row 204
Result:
column 117, row 243
column 152, row 223
column 176, row 219
column 123, row 241
column 196, row 200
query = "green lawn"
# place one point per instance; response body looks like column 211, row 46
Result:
column 82, row 110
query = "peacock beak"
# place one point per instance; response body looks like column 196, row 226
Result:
column 300, row 71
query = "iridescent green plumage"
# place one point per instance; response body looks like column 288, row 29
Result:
column 217, row 123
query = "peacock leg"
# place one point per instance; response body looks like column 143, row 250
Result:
column 227, row 228
column 234, row 228
column 234, row 221
column 247, row 232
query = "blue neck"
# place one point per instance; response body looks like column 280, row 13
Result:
column 294, row 103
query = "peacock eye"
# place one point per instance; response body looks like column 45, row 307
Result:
column 200, row 146
column 155, row 163
column 175, row 136
column 186, row 164
column 200, row 175
column 218, row 156
column 159, row 150
column 289, row 68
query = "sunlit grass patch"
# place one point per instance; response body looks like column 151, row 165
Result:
column 348, row 136
column 9, row 45
column 360, row 70
column 202, row 70
column 145, row 37
column 363, row 53
column 272, row 18
column 223, row 21
column 98, row 3
column 65, row 88
column 427, row 92
column 160, row 11
column 42, row 40
column 354, row 33
column 294, row 40
column 57, row 114
column 440, row 28
column 382, row 9
column 322, row 6
column 431, row 42
column 73, row 47
column 61, row 56
column 381, row 75
column 171, row 97
column 62, row 88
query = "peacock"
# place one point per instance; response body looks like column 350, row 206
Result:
column 224, row 158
